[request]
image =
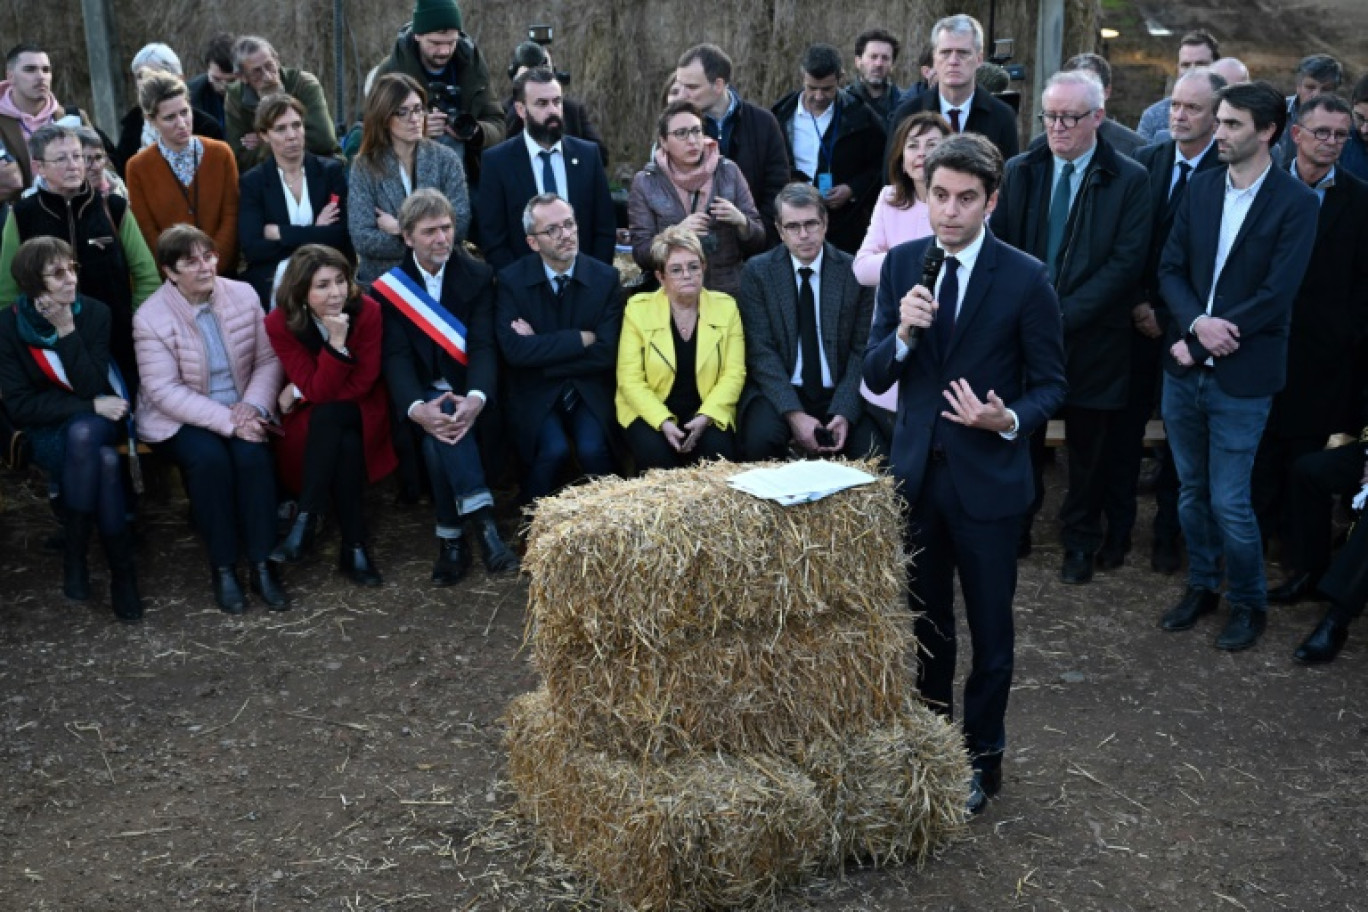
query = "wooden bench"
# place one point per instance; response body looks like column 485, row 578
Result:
column 1154, row 433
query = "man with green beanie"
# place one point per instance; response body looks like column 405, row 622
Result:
column 432, row 49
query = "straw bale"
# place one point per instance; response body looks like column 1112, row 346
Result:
column 704, row 832
column 651, row 561
column 748, row 692
column 894, row 793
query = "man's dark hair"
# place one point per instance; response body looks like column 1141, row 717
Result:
column 23, row 47
column 1264, row 103
column 539, row 75
column 1321, row 67
column 716, row 64
column 821, row 61
column 927, row 57
column 876, row 34
column 1360, row 92
column 1326, row 101
column 1201, row 36
column 1093, row 63
column 968, row 153
column 219, row 51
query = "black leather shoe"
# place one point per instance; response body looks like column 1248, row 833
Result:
column 1113, row 554
column 268, row 588
column 497, row 556
column 1298, row 587
column 1324, row 643
column 123, row 577
column 453, row 561
column 75, row 548
column 1077, row 568
column 297, row 542
column 1243, row 629
column 228, row 592
column 1024, row 544
column 1195, row 603
column 356, row 564
column 1164, row 556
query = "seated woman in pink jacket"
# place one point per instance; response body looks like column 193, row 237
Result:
column 210, row 381
column 900, row 215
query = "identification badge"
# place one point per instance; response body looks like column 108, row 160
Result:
column 824, row 182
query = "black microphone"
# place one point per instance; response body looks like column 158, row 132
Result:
column 931, row 265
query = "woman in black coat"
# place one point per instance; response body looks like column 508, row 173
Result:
column 291, row 199
column 57, row 385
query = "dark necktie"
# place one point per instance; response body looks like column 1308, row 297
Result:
column 1059, row 217
column 948, row 299
column 1179, row 188
column 561, row 282
column 807, row 336
column 954, row 120
column 548, row 176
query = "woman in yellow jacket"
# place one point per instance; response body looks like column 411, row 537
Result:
column 681, row 362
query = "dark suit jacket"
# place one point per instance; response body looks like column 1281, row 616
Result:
column 989, row 116
column 507, row 183
column 1258, row 284
column 541, row 364
column 769, row 314
column 757, row 146
column 578, row 124
column 1100, row 261
column 1007, row 339
column 1329, row 319
column 412, row 361
column 855, row 162
column 261, row 202
column 1157, row 160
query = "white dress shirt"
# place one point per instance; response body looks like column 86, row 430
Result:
column 946, row 107
column 557, row 165
column 816, row 282
column 808, row 131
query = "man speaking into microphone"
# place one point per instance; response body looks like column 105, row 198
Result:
column 976, row 346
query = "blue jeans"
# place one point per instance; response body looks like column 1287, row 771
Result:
column 554, row 449
column 458, row 479
column 1213, row 437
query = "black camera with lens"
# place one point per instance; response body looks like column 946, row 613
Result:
column 447, row 99
column 709, row 243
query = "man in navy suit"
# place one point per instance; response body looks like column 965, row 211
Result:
column 1240, row 243
column 557, row 321
column 441, row 394
column 542, row 159
column 977, row 374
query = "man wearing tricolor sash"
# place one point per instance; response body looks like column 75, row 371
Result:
column 441, row 367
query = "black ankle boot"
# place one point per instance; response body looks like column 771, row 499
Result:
column 228, row 591
column 356, row 564
column 497, row 557
column 123, row 577
column 298, row 541
column 75, row 547
column 267, row 587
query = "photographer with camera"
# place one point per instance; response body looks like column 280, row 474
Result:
column 536, row 52
column 432, row 50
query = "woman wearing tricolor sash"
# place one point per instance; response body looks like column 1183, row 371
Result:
column 58, row 384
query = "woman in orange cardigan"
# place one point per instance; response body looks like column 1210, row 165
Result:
column 182, row 178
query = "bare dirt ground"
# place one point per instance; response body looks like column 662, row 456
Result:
column 340, row 755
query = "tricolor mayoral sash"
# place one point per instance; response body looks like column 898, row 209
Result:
column 437, row 323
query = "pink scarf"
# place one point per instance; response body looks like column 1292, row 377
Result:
column 29, row 122
column 688, row 181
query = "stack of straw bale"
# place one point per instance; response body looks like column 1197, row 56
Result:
column 727, row 705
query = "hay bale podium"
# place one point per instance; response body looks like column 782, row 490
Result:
column 728, row 706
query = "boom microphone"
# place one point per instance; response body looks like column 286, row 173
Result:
column 931, row 265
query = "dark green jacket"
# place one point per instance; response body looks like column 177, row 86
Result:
column 472, row 79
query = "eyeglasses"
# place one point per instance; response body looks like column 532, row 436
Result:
column 209, row 258
column 811, row 226
column 1359, row 119
column 95, row 158
column 64, row 160
column 556, row 232
column 679, row 272
column 408, row 113
column 1327, row 135
column 1067, row 121
column 70, row 269
column 684, row 133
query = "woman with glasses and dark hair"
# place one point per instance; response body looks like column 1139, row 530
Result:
column 327, row 335
column 689, row 183
column 182, row 178
column 681, row 361
column 116, row 267
column 396, row 158
column 291, row 199
column 210, row 381
column 57, row 384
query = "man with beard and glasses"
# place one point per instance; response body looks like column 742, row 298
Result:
column 542, row 160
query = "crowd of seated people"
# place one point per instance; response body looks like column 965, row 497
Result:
column 287, row 326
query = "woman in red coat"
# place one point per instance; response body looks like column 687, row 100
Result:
column 328, row 335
